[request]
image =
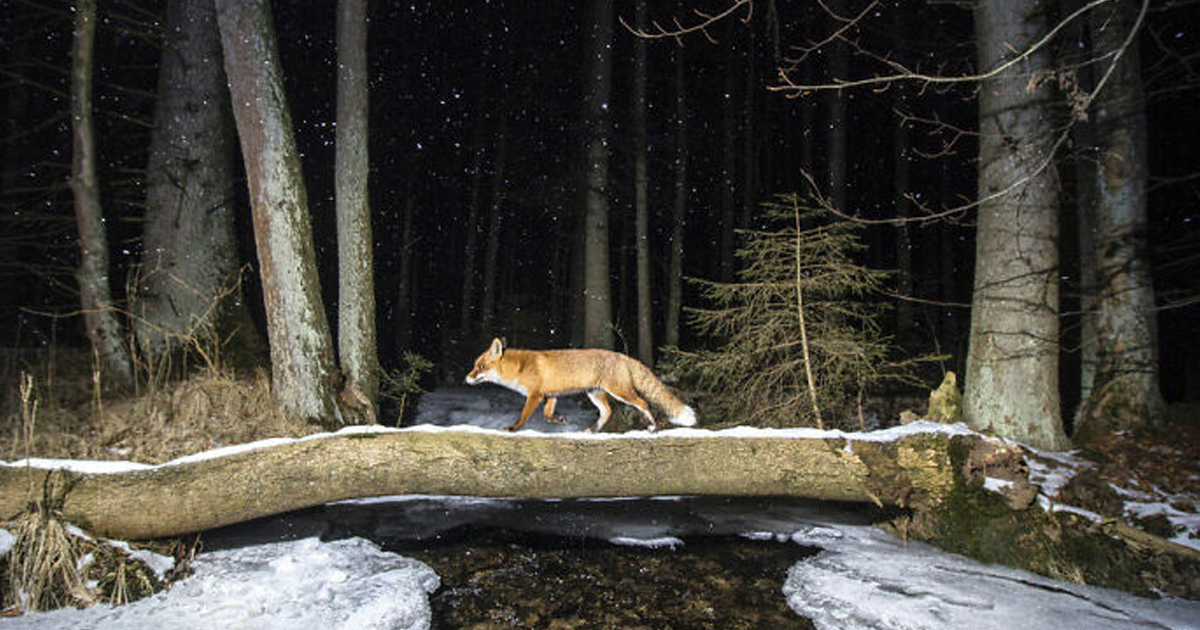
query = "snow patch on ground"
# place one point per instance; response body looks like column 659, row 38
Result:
column 867, row 580
column 298, row 585
column 659, row 542
column 1052, row 471
column 157, row 562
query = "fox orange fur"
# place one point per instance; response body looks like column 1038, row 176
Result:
column 547, row 374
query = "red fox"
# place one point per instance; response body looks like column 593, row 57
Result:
column 548, row 374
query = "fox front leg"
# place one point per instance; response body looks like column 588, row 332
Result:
column 531, row 402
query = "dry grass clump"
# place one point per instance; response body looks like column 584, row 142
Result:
column 53, row 565
column 42, row 568
column 208, row 409
column 200, row 413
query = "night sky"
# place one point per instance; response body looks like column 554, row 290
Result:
column 439, row 81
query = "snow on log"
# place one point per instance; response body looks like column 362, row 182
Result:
column 906, row 467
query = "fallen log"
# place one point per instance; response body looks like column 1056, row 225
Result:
column 902, row 467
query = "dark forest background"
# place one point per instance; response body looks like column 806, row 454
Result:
column 447, row 79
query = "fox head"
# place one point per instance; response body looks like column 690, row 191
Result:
column 485, row 366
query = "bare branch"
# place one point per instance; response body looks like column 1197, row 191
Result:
column 903, row 73
column 678, row 29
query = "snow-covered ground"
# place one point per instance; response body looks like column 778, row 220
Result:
column 866, row 579
column 288, row 578
column 294, row 585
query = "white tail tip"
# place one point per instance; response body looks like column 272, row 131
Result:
column 685, row 418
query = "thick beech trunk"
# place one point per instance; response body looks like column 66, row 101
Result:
column 170, row 500
column 1012, row 364
column 1125, row 394
column 189, row 274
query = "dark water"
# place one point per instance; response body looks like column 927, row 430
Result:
column 495, row 578
column 550, row 564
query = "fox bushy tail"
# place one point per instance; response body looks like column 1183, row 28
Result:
column 653, row 390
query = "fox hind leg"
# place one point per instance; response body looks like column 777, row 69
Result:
column 599, row 399
column 548, row 411
column 632, row 399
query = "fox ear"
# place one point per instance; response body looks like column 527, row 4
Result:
column 497, row 348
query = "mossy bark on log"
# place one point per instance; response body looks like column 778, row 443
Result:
column 913, row 471
column 985, row 525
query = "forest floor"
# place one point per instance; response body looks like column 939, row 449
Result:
column 1151, row 479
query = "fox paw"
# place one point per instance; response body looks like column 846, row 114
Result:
column 557, row 420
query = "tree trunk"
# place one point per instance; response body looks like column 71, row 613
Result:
column 597, row 289
column 1012, row 362
column 904, row 267
column 467, row 317
column 491, row 261
column 1126, row 392
column 170, row 500
column 839, row 70
column 679, row 205
column 95, row 294
column 1083, row 137
column 189, row 287
column 356, row 263
column 645, row 322
column 729, row 120
column 749, row 141
column 949, row 279
column 303, row 373
column 402, row 320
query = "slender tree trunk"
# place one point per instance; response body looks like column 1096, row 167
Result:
column 95, row 295
column 16, row 105
column 904, row 276
column 491, row 261
column 749, row 141
column 468, row 314
column 949, row 277
column 808, row 118
column 1012, row 365
column 189, row 275
column 356, row 264
column 729, row 120
column 303, row 373
column 597, row 290
column 679, row 205
column 645, row 322
column 1126, row 393
column 554, row 279
column 403, row 316
column 1083, row 136
column 839, row 64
